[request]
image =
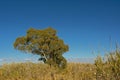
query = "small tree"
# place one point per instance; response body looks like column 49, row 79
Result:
column 44, row 43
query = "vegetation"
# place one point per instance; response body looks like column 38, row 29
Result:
column 38, row 71
column 47, row 44
column 44, row 43
column 108, row 68
column 104, row 68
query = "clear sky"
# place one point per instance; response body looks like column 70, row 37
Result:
column 85, row 25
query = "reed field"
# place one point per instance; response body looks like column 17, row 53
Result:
column 104, row 68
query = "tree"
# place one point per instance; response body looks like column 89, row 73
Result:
column 44, row 43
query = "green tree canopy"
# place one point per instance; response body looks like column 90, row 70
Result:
column 44, row 43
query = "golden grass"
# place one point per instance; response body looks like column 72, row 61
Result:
column 107, row 68
column 38, row 71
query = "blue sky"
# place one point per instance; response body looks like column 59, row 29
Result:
column 85, row 25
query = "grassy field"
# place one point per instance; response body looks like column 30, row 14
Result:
column 107, row 68
column 32, row 71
